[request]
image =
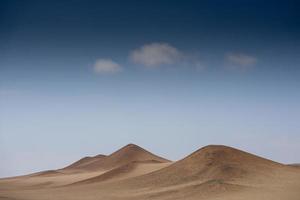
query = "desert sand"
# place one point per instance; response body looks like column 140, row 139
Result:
column 212, row 172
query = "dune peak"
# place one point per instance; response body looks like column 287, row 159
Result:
column 132, row 146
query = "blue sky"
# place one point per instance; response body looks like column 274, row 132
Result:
column 80, row 78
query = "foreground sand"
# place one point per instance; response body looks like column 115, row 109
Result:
column 212, row 172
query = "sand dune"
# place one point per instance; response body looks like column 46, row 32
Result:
column 127, row 154
column 135, row 159
column 213, row 162
column 212, row 172
column 123, row 156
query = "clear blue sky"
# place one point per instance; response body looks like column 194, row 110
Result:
column 81, row 78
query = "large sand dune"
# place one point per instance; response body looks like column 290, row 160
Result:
column 212, row 172
column 214, row 162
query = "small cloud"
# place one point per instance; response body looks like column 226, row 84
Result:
column 155, row 54
column 240, row 61
column 107, row 66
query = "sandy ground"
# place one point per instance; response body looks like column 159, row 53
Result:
column 212, row 172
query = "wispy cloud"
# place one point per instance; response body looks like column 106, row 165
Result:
column 240, row 61
column 106, row 66
column 155, row 54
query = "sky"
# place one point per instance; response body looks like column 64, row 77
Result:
column 81, row 78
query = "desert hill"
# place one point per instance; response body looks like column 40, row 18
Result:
column 123, row 156
column 130, row 153
column 213, row 162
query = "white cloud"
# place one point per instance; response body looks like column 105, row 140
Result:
column 155, row 54
column 241, row 61
column 106, row 66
